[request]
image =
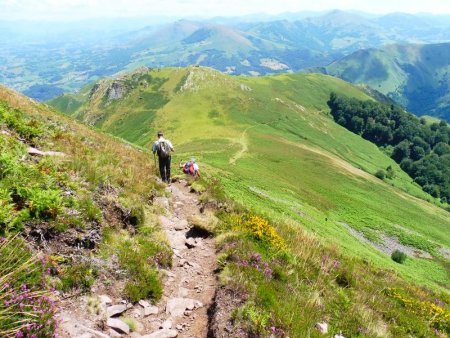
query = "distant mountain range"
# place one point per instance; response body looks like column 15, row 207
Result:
column 416, row 76
column 251, row 45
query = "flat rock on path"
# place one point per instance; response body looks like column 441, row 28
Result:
column 193, row 267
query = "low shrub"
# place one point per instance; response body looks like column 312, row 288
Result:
column 398, row 256
column 381, row 174
column 43, row 203
column 255, row 321
column 433, row 312
column 138, row 257
column 144, row 285
column 26, row 310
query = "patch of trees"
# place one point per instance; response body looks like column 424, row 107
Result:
column 421, row 149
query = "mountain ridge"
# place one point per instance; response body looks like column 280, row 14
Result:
column 413, row 75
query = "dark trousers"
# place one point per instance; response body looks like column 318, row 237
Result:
column 164, row 168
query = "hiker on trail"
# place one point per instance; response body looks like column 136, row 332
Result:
column 163, row 147
column 190, row 167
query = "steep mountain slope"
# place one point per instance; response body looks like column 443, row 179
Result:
column 73, row 206
column 416, row 76
column 270, row 142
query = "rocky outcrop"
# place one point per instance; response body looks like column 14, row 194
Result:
column 116, row 91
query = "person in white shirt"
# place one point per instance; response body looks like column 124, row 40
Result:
column 163, row 148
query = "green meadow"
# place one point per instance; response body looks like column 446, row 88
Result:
column 275, row 149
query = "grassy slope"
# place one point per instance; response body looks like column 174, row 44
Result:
column 414, row 75
column 275, row 149
column 100, row 179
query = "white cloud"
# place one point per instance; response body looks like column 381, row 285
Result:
column 78, row 9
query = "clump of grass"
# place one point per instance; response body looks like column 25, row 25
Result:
column 198, row 187
column 399, row 256
column 131, row 322
column 203, row 225
column 80, row 276
column 140, row 256
column 94, row 305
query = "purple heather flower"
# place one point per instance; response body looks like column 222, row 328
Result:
column 255, row 257
column 19, row 334
column 268, row 273
column 21, row 305
column 438, row 302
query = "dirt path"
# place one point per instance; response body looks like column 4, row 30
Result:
column 244, row 146
column 192, row 278
column 189, row 286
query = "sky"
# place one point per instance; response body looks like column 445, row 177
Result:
column 85, row 9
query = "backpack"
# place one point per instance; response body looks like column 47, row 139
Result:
column 189, row 168
column 163, row 149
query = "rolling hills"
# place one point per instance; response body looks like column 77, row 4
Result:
column 275, row 149
column 415, row 76
column 43, row 64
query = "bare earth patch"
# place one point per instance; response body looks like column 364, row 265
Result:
column 388, row 245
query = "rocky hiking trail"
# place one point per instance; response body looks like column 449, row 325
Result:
column 189, row 286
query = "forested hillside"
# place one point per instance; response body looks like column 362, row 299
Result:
column 416, row 76
column 421, row 149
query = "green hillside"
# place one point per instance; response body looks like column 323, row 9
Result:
column 275, row 149
column 72, row 207
column 416, row 76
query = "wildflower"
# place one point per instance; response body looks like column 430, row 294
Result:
column 244, row 263
column 336, row 264
column 268, row 273
column 19, row 334
column 256, row 257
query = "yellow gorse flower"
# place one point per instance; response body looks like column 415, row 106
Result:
column 435, row 314
column 262, row 230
